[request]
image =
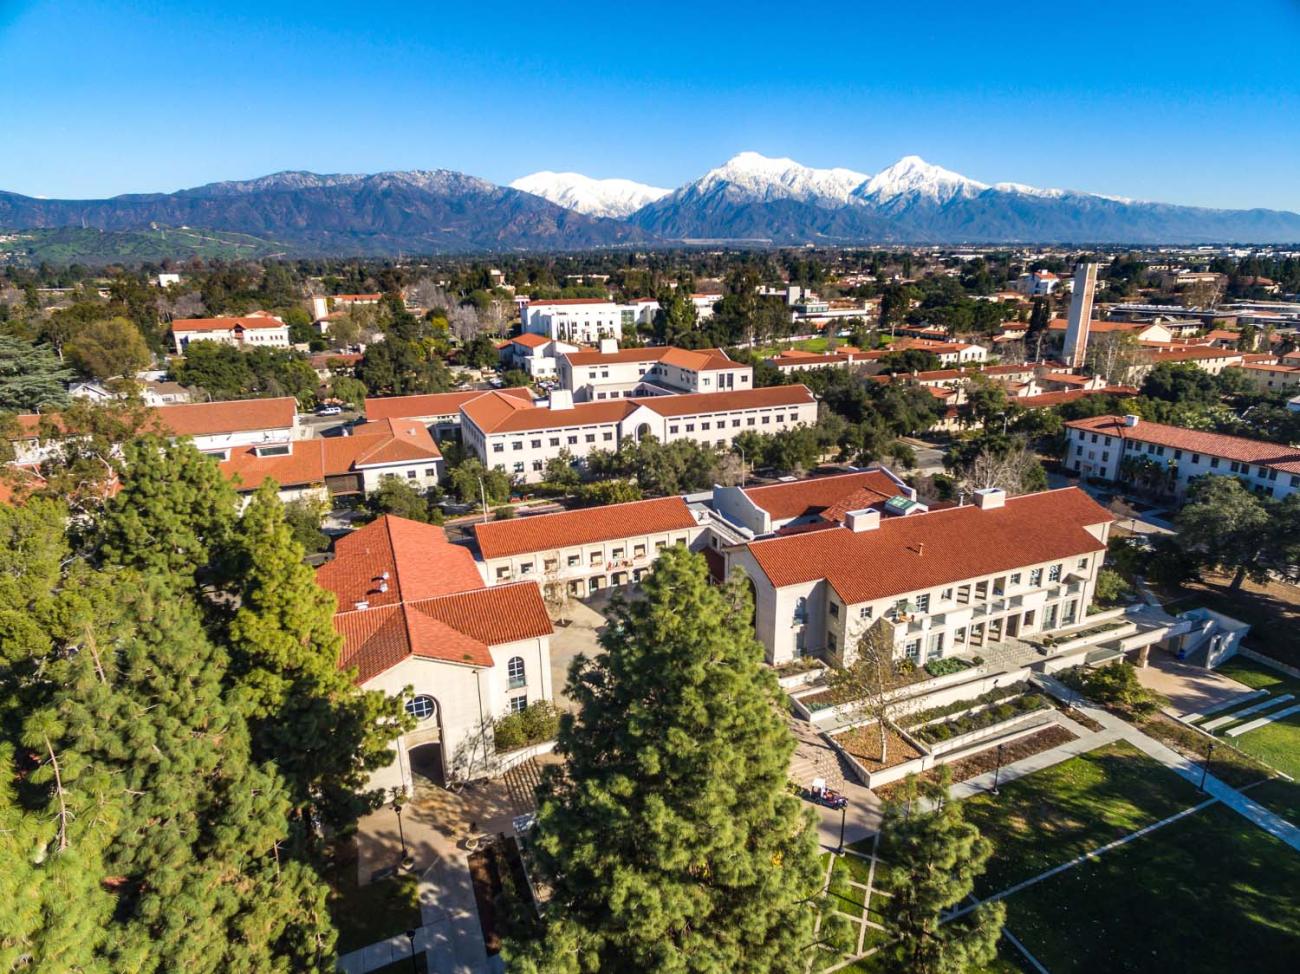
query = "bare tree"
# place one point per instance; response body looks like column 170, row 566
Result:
column 1114, row 356
column 464, row 323
column 426, row 294
column 731, row 470
column 1014, row 471
column 871, row 677
column 186, row 305
column 555, row 590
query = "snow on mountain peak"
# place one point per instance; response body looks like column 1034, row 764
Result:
column 594, row 197
column 751, row 174
column 913, row 176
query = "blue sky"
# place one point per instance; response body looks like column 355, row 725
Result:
column 1185, row 102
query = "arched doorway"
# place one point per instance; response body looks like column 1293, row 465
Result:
column 424, row 750
column 642, row 432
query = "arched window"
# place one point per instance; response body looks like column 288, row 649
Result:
column 422, row 707
column 515, row 672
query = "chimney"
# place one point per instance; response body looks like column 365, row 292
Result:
column 608, row 346
column 561, row 399
column 859, row 521
column 1080, row 320
column 990, row 498
column 1130, row 420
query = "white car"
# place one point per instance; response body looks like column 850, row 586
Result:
column 329, row 410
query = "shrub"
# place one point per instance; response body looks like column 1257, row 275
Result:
column 942, row 667
column 539, row 721
column 505, row 513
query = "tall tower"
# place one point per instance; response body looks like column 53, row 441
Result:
column 1076, row 331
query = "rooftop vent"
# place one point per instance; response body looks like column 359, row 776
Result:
column 900, row 506
column 561, row 399
column 361, row 604
column 864, row 520
column 989, row 498
column 1130, row 420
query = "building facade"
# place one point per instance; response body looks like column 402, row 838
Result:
column 613, row 373
column 263, row 331
column 582, row 320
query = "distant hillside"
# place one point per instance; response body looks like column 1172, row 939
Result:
column 67, row 245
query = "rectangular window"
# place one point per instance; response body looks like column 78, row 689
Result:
column 517, row 445
column 616, row 553
column 575, row 561
column 946, row 595
column 865, row 612
column 735, row 423
column 1015, row 578
column 538, row 466
column 638, row 551
column 923, row 602
column 591, row 437
column 412, row 474
column 554, row 441
column 536, row 444
column 1214, row 463
column 526, row 568
column 705, row 426
column 1083, row 564
column 503, row 572
column 498, row 447
column 572, row 440
column 673, row 429
column 749, row 421
column 835, row 609
column 519, row 466
column 519, row 704
column 1196, row 458
column 1054, row 573
column 913, row 650
column 1035, row 576
column 609, row 436
column 690, row 427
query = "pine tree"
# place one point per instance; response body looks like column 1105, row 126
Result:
column 670, row 840
column 173, row 514
column 322, row 731
column 932, row 859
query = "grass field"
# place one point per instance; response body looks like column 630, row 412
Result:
column 1049, row 817
column 376, row 911
column 1280, row 796
column 1276, row 744
column 1209, row 893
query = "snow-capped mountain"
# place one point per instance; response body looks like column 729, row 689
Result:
column 913, row 179
column 750, row 176
column 594, row 197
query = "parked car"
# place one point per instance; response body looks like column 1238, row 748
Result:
column 329, row 410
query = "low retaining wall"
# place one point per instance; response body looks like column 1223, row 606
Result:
column 796, row 680
column 1269, row 661
column 505, row 760
column 1041, row 716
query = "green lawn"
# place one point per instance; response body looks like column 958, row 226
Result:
column 1276, row 744
column 366, row 914
column 1280, row 796
column 404, row 966
column 1209, row 893
column 1050, row 817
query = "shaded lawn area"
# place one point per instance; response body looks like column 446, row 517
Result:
column 1053, row 815
column 1273, row 611
column 1276, row 744
column 404, row 966
column 1209, row 893
column 366, row 914
column 1279, row 796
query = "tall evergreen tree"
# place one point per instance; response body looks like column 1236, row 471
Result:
column 31, row 376
column 322, row 731
column 671, row 841
column 932, row 860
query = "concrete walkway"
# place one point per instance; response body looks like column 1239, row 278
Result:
column 1270, row 822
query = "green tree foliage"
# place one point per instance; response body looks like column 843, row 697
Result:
column 676, row 320
column 1115, row 686
column 348, row 390
column 226, row 372
column 146, row 836
column 910, row 360
column 465, row 479
column 395, row 496
column 933, row 858
column 561, row 471
column 1181, row 382
column 658, row 468
column 31, row 377
column 480, row 352
column 671, row 841
column 304, row 517
column 1111, row 588
column 1226, row 526
column 107, row 348
column 173, row 515
column 323, row 732
column 603, row 492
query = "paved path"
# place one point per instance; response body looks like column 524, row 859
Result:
column 1270, row 822
column 813, row 757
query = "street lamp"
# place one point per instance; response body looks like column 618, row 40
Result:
column 410, row 936
column 844, row 810
column 407, row 860
column 1205, row 766
column 997, row 771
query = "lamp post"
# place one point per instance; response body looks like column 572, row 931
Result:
column 407, row 861
column 410, row 937
column 844, row 810
column 997, row 771
column 1205, row 765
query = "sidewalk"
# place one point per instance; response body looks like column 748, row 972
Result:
column 1274, row 824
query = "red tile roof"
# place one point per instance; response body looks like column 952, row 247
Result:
column 564, row 301
column 434, row 404
column 225, row 324
column 1048, row 399
column 546, row 532
column 920, row 551
column 1285, row 458
column 529, row 340
column 433, row 602
column 698, row 360
column 719, row 402
column 1188, row 353
column 824, row 496
column 207, row 418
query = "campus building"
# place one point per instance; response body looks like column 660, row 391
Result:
column 439, row 411
column 519, row 437
column 260, row 329
column 614, row 373
column 582, row 320
column 1166, row 459
column 413, row 612
column 947, row 582
column 586, row 550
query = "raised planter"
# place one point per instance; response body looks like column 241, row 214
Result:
column 800, row 678
column 505, row 760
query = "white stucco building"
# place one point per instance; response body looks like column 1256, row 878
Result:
column 582, row 320
column 260, row 329
column 416, row 617
column 614, row 373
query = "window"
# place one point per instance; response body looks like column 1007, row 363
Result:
column 831, row 643
column 936, row 647
column 638, row 551
column 766, row 420
column 574, row 560
column 865, row 612
column 517, row 445
column 800, row 610
column 1214, row 463
column 498, row 447
column 690, row 427
column 923, row 602
column 749, row 421
column 412, row 474
column 1178, row 454
column 537, row 465
column 835, row 609
column 591, row 437
column 1054, row 573
column 1014, row 579
column 1083, row 564
column 519, row 704
column 616, row 553
column 515, row 672
column 913, row 650
column 536, row 444
column 596, row 557
column 519, row 466
column 526, row 568
column 1196, row 458
column 609, row 436
column 550, row 564
column 705, row 426
column 554, row 441
column 1035, row 576
column 421, row 707
column 735, row 423
column 673, row 429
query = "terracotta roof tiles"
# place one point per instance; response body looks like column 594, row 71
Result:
column 545, row 532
